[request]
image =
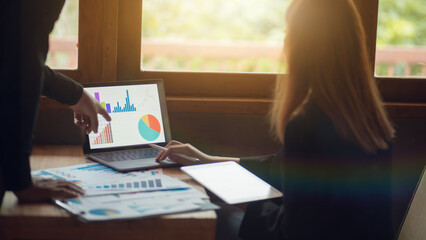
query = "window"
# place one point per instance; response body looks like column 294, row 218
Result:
column 63, row 52
column 212, row 36
column 401, row 38
column 124, row 40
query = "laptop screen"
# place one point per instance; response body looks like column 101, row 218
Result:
column 136, row 116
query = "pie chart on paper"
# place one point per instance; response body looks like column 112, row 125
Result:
column 149, row 127
column 105, row 212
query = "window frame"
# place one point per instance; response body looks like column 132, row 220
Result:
column 110, row 50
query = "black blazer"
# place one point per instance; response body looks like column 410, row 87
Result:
column 26, row 25
column 332, row 188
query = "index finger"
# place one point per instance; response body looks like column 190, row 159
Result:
column 75, row 186
column 163, row 154
column 105, row 114
column 177, row 148
column 94, row 123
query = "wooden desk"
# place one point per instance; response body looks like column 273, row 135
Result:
column 46, row 221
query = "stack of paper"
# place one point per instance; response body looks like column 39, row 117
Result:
column 114, row 195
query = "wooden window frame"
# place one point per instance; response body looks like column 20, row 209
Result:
column 110, row 50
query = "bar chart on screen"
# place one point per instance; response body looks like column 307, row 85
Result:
column 104, row 136
column 127, row 107
column 105, row 105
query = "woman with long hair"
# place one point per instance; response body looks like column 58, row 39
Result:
column 334, row 164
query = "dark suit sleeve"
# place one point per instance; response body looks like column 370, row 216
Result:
column 258, row 165
column 60, row 87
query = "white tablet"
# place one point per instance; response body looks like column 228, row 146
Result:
column 231, row 182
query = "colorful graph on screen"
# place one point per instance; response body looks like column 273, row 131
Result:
column 149, row 127
column 128, row 107
column 107, row 106
column 136, row 116
column 105, row 136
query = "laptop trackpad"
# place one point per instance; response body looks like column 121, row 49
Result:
column 140, row 164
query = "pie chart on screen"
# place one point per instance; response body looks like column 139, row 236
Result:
column 149, row 127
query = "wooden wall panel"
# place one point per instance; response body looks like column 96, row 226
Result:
column 129, row 39
column 408, row 90
column 109, row 35
column 90, row 40
column 97, row 40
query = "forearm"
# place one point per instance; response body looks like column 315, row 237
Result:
column 60, row 87
column 223, row 159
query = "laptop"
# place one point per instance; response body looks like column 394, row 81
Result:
column 414, row 222
column 138, row 117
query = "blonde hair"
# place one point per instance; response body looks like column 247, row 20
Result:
column 325, row 49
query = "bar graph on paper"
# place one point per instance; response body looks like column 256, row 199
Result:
column 97, row 179
column 105, row 134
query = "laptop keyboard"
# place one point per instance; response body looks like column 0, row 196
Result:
column 128, row 155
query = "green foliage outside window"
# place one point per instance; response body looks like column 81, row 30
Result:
column 402, row 23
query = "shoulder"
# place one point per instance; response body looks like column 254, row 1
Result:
column 312, row 131
column 309, row 119
column 307, row 126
